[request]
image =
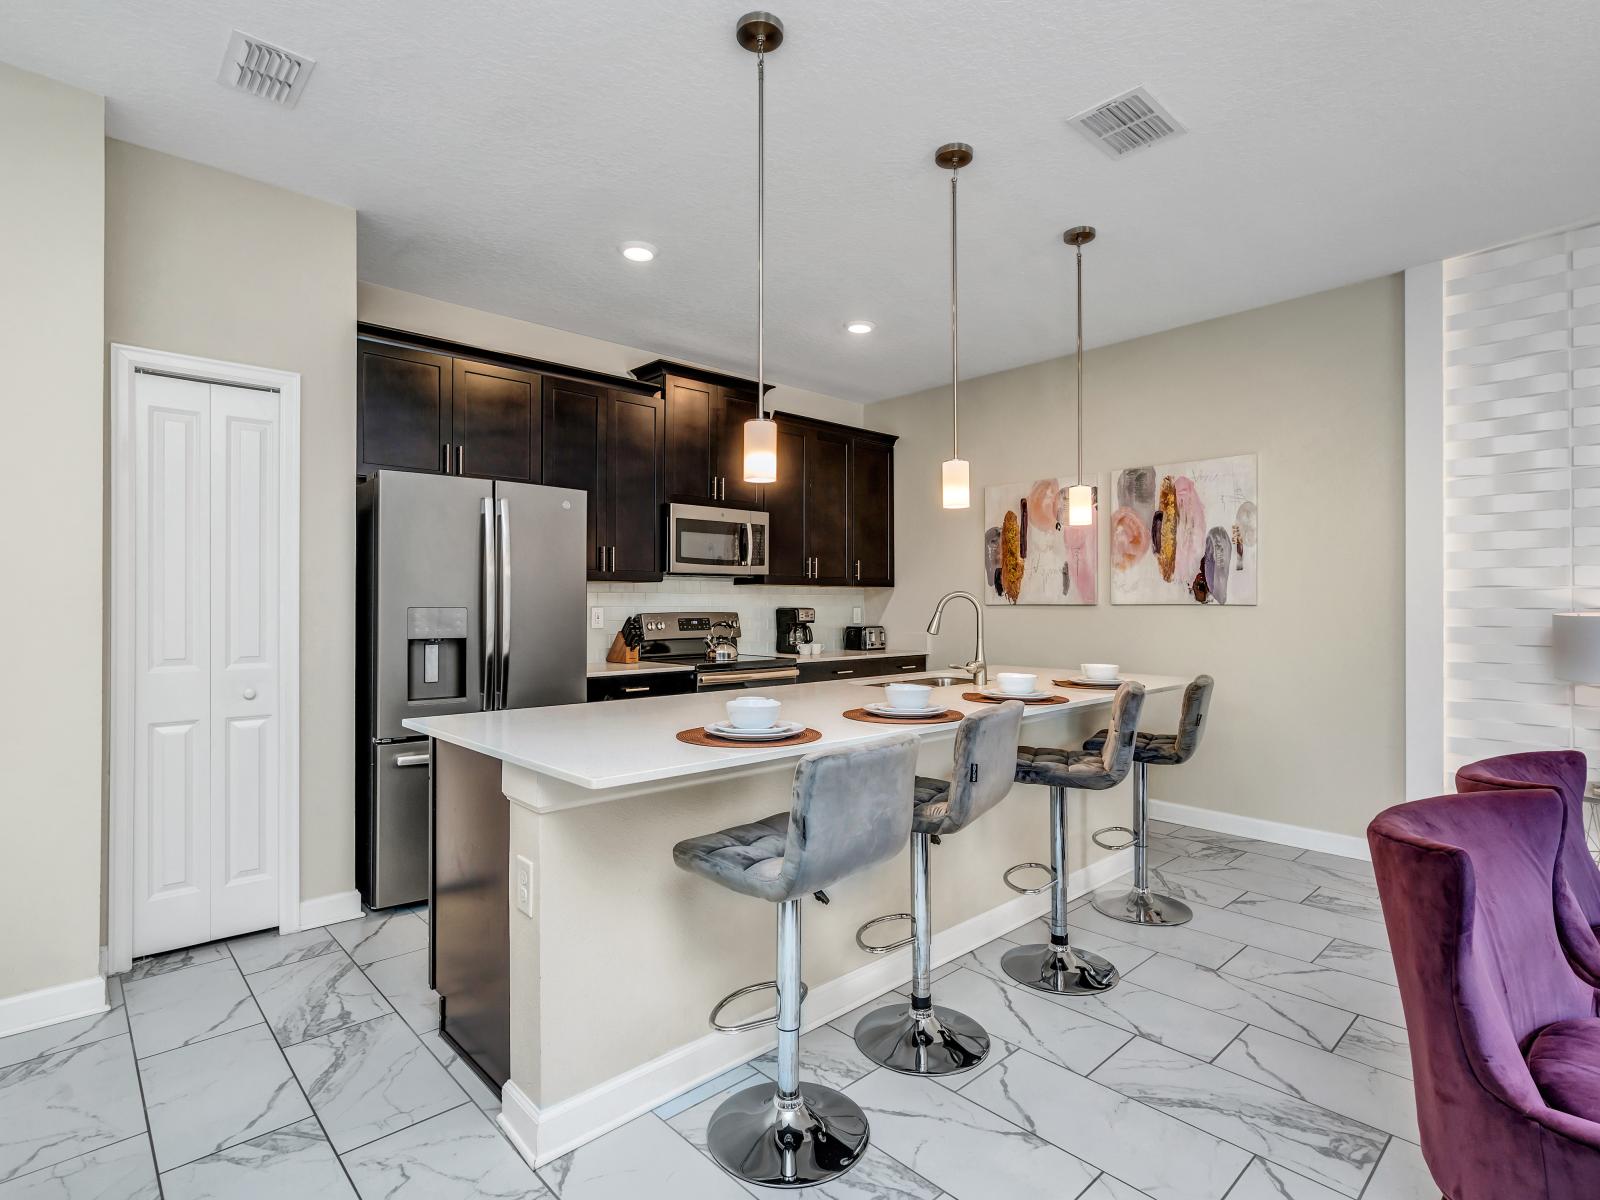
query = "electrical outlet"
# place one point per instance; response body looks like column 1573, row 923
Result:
column 855, row 615
column 597, row 618
column 524, row 886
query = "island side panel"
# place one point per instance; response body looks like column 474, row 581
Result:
column 470, row 919
column 610, row 892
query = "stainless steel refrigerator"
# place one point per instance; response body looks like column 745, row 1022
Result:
column 470, row 596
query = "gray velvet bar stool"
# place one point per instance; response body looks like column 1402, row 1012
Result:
column 1057, row 967
column 921, row 1038
column 1138, row 905
column 851, row 810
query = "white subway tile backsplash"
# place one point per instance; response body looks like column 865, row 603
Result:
column 755, row 604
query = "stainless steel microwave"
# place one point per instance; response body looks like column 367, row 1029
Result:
column 716, row 541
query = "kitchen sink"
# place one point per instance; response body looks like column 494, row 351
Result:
column 930, row 680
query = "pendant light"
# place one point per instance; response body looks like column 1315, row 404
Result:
column 1080, row 496
column 760, row 32
column 956, row 475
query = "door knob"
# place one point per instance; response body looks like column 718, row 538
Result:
column 249, row 693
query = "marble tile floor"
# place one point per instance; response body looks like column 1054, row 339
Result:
column 1256, row 1054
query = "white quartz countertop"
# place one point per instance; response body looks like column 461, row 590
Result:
column 846, row 655
column 602, row 746
column 599, row 669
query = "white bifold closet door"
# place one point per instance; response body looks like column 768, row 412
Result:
column 206, row 756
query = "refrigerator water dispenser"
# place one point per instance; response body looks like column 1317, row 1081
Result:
column 436, row 653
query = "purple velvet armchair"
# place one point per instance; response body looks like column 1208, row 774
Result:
column 1565, row 772
column 1505, row 1038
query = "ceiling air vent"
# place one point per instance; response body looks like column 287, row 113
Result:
column 1127, row 123
column 264, row 70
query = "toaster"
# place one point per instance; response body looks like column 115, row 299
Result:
column 865, row 637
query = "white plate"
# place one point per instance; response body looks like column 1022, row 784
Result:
column 774, row 733
column 888, row 710
column 997, row 694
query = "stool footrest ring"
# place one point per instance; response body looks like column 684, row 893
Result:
column 905, row 941
column 746, row 1026
column 1030, row 866
column 1133, row 837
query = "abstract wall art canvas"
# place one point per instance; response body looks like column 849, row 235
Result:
column 1030, row 554
column 1186, row 533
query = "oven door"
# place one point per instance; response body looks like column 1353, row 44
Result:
column 756, row 677
column 715, row 541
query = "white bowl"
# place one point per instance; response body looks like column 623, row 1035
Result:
column 1105, row 671
column 907, row 695
column 753, row 712
column 1015, row 683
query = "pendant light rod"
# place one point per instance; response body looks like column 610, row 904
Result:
column 957, row 492
column 1080, row 504
column 760, row 32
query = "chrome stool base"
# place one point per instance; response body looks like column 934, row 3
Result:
column 941, row 1042
column 1141, row 906
column 1060, row 970
column 756, row 1139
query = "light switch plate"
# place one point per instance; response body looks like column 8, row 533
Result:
column 524, row 886
column 597, row 618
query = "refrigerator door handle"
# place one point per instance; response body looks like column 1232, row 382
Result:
column 503, row 626
column 489, row 606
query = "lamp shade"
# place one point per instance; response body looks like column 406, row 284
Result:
column 1080, row 505
column 761, row 450
column 1575, row 646
column 955, row 478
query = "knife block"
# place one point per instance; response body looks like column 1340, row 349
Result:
column 621, row 652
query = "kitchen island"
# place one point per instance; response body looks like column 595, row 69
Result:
column 578, row 965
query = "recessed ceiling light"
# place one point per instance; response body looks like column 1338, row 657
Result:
column 638, row 251
column 859, row 326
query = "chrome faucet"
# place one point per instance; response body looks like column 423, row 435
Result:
column 979, row 669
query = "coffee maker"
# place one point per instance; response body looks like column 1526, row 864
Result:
column 794, row 629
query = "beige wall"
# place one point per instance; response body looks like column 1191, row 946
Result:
column 1308, row 720
column 474, row 327
column 202, row 262
column 52, row 223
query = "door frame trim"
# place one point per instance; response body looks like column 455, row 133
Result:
column 126, row 363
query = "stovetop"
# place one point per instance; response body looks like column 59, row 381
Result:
column 700, row 662
column 680, row 637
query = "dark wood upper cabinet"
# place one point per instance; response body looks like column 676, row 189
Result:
column 827, row 505
column 692, row 410
column 497, row 422
column 404, row 408
column 787, row 557
column 734, row 408
column 574, row 435
column 871, row 539
column 608, row 443
column 631, row 482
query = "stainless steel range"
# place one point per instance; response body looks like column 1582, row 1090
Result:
column 709, row 641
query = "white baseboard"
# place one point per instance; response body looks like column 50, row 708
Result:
column 329, row 910
column 541, row 1135
column 1260, row 829
column 52, row 1005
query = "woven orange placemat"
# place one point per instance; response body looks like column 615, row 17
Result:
column 980, row 698
column 861, row 714
column 699, row 737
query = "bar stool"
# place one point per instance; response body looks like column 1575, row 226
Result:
column 1139, row 905
column 923, row 1039
column 851, row 810
column 1058, row 968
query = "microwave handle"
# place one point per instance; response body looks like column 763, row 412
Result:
column 747, row 544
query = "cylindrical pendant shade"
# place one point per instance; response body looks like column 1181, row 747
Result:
column 957, row 487
column 1575, row 646
column 1080, row 505
column 761, row 451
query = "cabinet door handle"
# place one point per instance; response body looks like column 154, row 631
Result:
column 636, row 689
column 613, row 559
column 851, row 671
column 444, row 449
column 858, row 570
column 713, row 492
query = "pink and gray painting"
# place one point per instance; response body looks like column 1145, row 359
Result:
column 1030, row 554
column 1185, row 533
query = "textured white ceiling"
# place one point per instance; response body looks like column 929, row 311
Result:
column 498, row 152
